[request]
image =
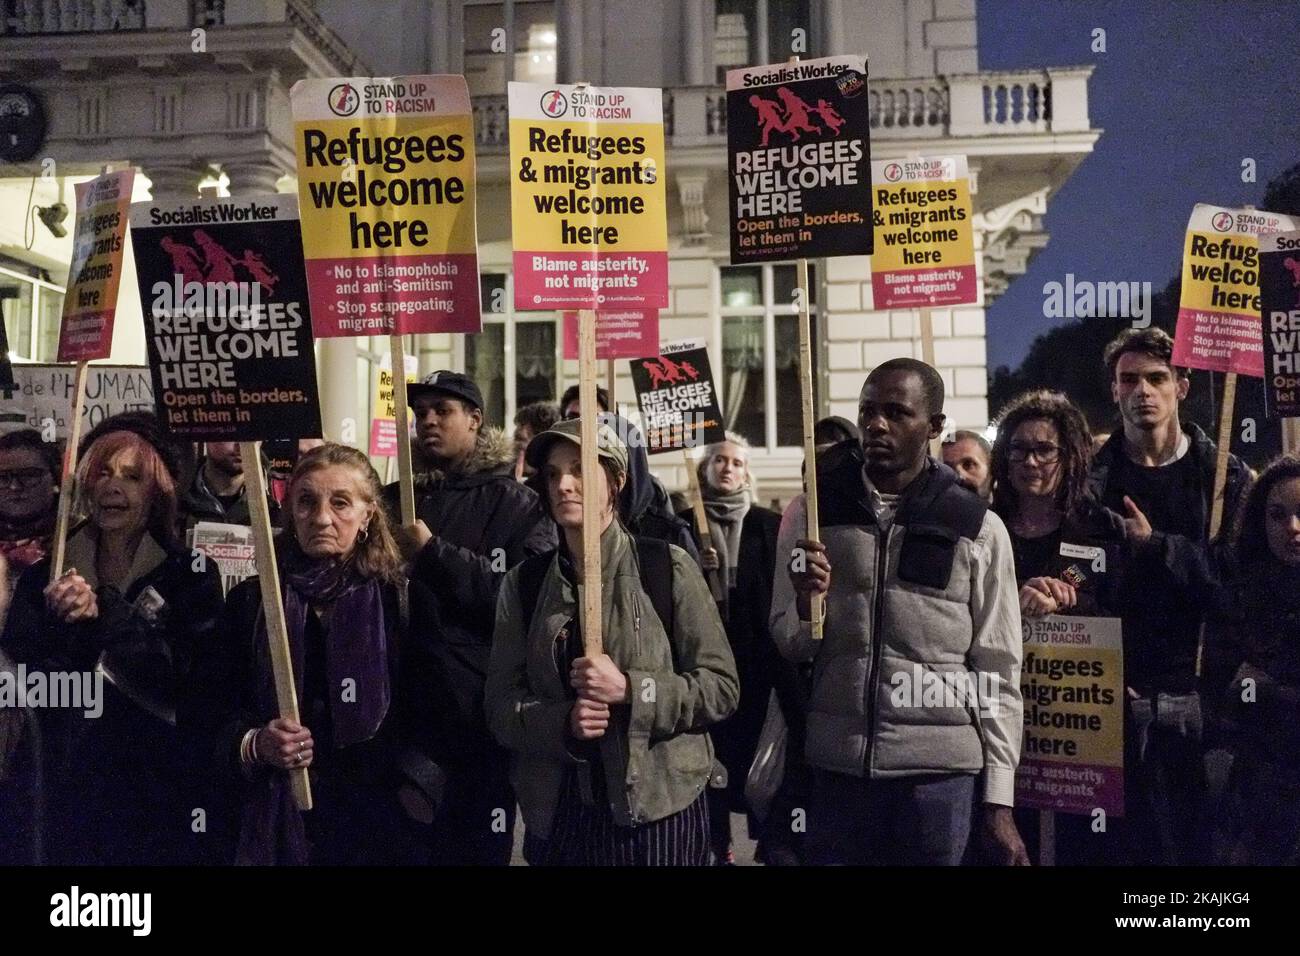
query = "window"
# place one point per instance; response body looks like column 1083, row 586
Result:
column 760, row 353
column 33, row 313
column 209, row 13
column 755, row 32
column 530, row 337
column 530, row 37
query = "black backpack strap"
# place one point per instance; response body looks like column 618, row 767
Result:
column 532, row 572
column 655, row 564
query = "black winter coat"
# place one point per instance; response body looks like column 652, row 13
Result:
column 484, row 523
column 119, row 788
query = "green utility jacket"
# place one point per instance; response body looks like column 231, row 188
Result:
column 656, row 755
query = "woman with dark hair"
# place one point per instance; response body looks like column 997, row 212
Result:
column 123, row 622
column 609, row 756
column 1040, row 491
column 1066, row 547
column 1258, row 822
column 347, row 610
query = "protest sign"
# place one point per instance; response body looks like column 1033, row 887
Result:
column 924, row 246
column 799, row 160
column 227, row 328
column 230, row 546
column 383, row 426
column 589, row 216
column 678, row 402
column 1279, row 288
column 1218, row 313
column 98, row 244
column 43, row 394
column 618, row 334
column 386, row 182
column 1072, row 682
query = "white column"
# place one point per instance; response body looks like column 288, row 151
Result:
column 252, row 178
column 572, row 32
column 173, row 180
column 695, row 28
column 337, row 384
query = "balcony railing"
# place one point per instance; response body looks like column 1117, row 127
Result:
column 35, row 17
column 977, row 104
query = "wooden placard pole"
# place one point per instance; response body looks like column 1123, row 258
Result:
column 611, row 385
column 809, row 420
column 268, row 576
column 1290, row 436
column 1225, row 441
column 1047, row 838
column 926, row 321
column 589, row 592
column 702, row 521
column 68, row 480
column 405, row 479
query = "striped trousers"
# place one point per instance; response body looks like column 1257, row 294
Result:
column 583, row 835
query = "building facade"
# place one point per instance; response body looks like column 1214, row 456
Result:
column 189, row 91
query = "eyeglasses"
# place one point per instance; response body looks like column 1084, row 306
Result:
column 22, row 477
column 1045, row 453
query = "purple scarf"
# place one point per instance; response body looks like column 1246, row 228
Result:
column 356, row 648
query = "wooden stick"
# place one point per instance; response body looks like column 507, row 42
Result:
column 1047, row 838
column 809, row 420
column 1290, row 436
column 68, row 484
column 611, row 385
column 268, row 576
column 591, row 621
column 405, row 479
column 1225, row 441
column 702, row 520
column 927, row 356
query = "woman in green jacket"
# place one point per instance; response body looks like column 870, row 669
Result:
column 610, row 759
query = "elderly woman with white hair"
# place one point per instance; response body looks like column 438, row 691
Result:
column 740, row 559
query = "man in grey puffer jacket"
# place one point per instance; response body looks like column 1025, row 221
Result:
column 916, row 680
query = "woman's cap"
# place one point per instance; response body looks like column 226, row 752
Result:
column 608, row 444
column 145, row 425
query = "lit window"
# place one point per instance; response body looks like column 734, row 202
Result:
column 760, row 353
column 529, row 34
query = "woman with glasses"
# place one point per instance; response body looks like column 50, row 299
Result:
column 1040, row 473
column 29, row 492
column 1066, row 547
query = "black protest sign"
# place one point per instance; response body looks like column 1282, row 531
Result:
column 679, row 404
column 799, row 160
column 1279, row 291
column 228, row 331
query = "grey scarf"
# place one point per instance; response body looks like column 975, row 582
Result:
column 726, row 513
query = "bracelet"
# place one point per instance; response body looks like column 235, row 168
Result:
column 248, row 747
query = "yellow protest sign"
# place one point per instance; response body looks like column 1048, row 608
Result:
column 1072, row 682
column 1219, row 326
column 386, row 187
column 383, row 425
column 589, row 215
column 98, row 244
column 924, row 248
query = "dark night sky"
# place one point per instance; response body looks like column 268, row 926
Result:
column 1184, row 91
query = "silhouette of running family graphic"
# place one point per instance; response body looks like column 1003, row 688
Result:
column 792, row 115
column 216, row 264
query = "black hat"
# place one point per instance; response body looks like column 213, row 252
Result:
column 454, row 384
column 144, row 424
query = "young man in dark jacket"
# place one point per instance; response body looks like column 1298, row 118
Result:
column 474, row 523
column 1158, row 473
